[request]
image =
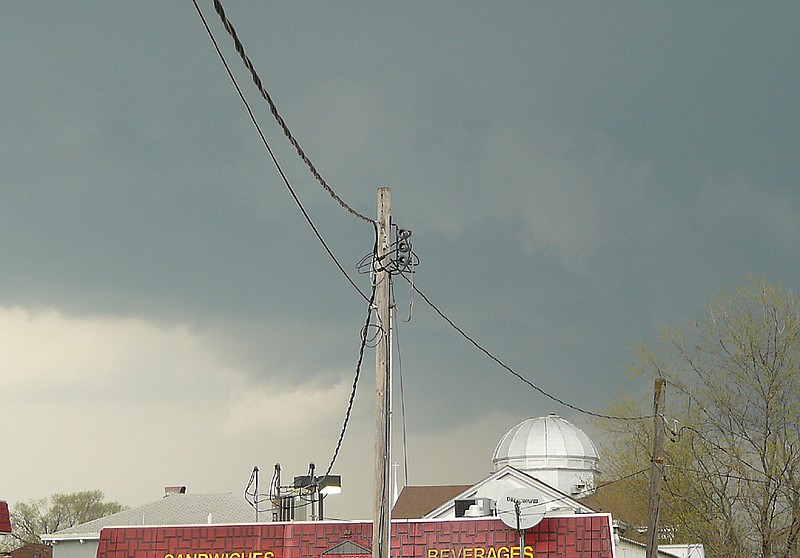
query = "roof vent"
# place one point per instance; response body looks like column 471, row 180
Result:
column 174, row 490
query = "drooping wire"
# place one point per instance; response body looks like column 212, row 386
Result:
column 404, row 429
column 272, row 154
column 722, row 475
column 390, row 262
column 364, row 338
column 404, row 260
column 274, row 110
column 275, row 483
column 511, row 370
column 253, row 497
column 598, row 487
column 387, row 434
column 410, row 298
column 767, row 476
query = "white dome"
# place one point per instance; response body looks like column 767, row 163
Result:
column 551, row 449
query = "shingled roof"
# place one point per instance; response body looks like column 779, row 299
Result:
column 174, row 509
column 415, row 502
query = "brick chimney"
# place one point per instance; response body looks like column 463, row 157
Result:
column 174, row 490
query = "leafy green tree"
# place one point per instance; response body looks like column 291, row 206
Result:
column 38, row 517
column 732, row 465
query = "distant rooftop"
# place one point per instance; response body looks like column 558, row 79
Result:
column 174, row 509
column 415, row 502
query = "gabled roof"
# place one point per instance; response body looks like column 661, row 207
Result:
column 498, row 483
column 347, row 548
column 415, row 502
column 175, row 509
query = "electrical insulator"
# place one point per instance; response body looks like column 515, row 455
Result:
column 403, row 259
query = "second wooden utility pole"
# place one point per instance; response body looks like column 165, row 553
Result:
column 381, row 522
column 656, row 469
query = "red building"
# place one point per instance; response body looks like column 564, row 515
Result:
column 573, row 536
column 5, row 518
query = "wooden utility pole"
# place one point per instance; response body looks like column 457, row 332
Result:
column 656, row 469
column 381, row 523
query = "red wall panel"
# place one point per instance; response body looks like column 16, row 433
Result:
column 5, row 518
column 580, row 536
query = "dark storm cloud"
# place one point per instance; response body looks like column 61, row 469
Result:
column 576, row 176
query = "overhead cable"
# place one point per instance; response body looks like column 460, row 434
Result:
column 735, row 457
column 274, row 110
column 596, row 488
column 274, row 158
column 396, row 338
column 511, row 370
column 364, row 336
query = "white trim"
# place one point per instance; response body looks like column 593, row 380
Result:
column 522, row 478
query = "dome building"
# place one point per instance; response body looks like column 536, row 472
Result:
column 551, row 464
column 552, row 450
column 548, row 456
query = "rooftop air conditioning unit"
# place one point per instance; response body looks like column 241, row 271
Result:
column 474, row 507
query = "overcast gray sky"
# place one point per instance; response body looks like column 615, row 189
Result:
column 577, row 175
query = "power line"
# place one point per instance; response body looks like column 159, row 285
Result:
column 293, row 141
column 274, row 158
column 402, row 392
column 274, row 110
column 364, row 332
column 371, row 299
column 350, row 403
column 767, row 476
column 596, row 488
column 715, row 474
column 511, row 370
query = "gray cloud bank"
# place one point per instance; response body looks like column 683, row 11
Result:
column 576, row 177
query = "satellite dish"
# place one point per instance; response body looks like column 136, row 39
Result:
column 521, row 508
